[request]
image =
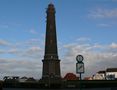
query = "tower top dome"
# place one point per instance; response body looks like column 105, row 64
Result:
column 51, row 8
column 51, row 5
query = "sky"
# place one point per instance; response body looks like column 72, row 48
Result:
column 86, row 27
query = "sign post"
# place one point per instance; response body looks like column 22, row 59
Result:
column 80, row 66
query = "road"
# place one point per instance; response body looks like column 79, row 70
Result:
column 61, row 89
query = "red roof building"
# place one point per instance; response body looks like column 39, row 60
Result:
column 70, row 76
column 87, row 78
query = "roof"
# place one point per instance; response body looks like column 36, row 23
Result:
column 51, row 5
column 111, row 70
column 101, row 72
column 24, row 77
column 31, row 79
column 87, row 78
column 70, row 76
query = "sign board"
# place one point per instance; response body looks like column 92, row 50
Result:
column 80, row 67
column 79, row 58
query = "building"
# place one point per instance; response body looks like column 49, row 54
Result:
column 51, row 62
column 23, row 79
column 31, row 79
column 99, row 76
column 70, row 76
column 87, row 78
column 11, row 79
column 111, row 73
column 108, row 74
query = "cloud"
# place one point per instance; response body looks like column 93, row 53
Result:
column 33, row 42
column 96, row 57
column 2, row 51
column 83, row 39
column 104, row 25
column 103, row 13
column 114, row 0
column 113, row 45
column 21, row 59
column 27, row 60
column 4, row 43
column 31, row 48
column 32, row 31
column 13, row 51
column 33, row 52
column 16, row 67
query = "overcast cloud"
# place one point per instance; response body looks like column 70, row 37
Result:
column 103, row 13
column 27, row 62
column 96, row 57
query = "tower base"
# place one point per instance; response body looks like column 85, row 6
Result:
column 51, row 82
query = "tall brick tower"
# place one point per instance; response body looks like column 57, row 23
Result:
column 51, row 63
